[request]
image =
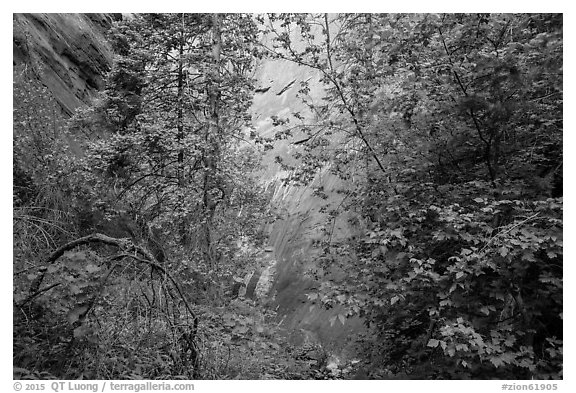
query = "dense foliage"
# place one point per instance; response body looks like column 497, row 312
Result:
column 135, row 221
column 454, row 123
column 126, row 248
column 176, row 105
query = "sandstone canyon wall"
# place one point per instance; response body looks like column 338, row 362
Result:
column 67, row 52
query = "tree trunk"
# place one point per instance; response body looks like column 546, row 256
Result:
column 212, row 138
column 180, row 109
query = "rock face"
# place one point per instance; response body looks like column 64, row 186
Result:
column 67, row 52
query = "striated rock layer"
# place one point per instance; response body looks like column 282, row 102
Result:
column 67, row 52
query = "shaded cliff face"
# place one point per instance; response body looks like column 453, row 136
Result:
column 67, row 52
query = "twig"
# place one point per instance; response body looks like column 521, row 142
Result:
column 38, row 293
column 130, row 250
column 509, row 230
column 123, row 244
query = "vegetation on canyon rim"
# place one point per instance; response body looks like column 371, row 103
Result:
column 446, row 131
